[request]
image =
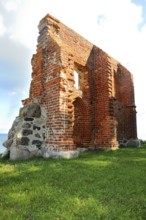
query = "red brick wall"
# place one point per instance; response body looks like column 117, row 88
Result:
column 125, row 104
column 90, row 115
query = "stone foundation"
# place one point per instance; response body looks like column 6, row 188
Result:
column 26, row 138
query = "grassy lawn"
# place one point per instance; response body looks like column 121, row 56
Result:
column 100, row 185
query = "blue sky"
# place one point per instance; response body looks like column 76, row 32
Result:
column 116, row 26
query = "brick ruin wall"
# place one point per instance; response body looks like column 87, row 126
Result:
column 100, row 110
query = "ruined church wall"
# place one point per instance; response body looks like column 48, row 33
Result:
column 79, row 97
column 98, row 106
column 97, row 90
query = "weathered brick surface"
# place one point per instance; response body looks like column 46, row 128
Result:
column 98, row 113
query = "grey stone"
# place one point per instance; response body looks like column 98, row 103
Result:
column 11, row 134
column 34, row 151
column 30, row 110
column 122, row 143
column 39, row 121
column 44, row 136
column 8, row 143
column 26, row 132
column 133, row 143
column 26, row 125
column 24, row 152
column 28, row 119
column 38, row 143
column 35, row 127
column 39, row 153
column 129, row 143
column 32, row 148
column 22, row 141
column 16, row 122
column 19, row 153
column 37, row 135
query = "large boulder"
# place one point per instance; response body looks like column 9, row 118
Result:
column 23, row 152
column 17, row 153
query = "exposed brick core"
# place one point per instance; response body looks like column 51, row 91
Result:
column 97, row 113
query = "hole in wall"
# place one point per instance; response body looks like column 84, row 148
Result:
column 76, row 79
column 79, row 76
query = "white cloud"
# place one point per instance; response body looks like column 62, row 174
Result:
column 11, row 5
column 2, row 26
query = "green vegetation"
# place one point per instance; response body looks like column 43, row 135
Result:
column 104, row 185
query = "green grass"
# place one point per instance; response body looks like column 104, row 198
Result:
column 101, row 185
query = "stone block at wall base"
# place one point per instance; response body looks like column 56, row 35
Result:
column 19, row 153
column 61, row 154
column 130, row 143
column 133, row 143
column 24, row 153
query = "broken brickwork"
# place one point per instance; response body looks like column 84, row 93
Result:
column 88, row 96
